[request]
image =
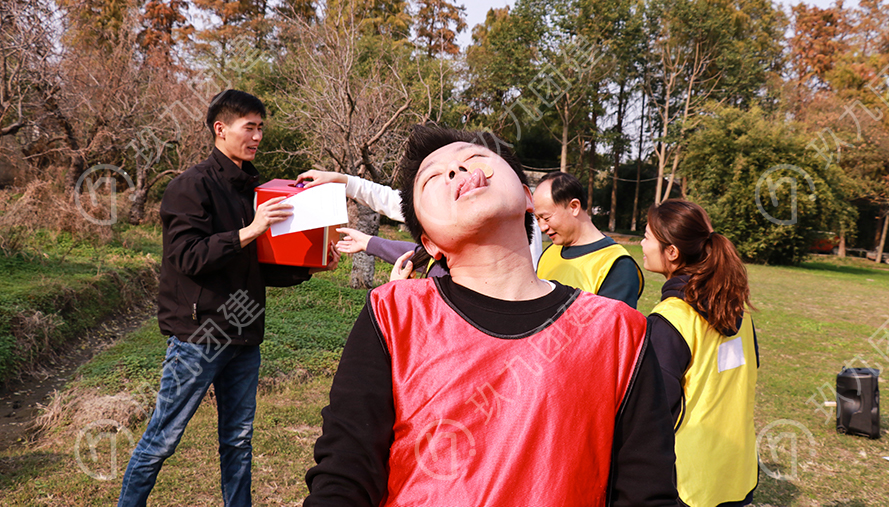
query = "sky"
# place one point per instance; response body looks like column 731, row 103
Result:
column 476, row 10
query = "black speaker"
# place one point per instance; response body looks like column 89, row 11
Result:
column 858, row 402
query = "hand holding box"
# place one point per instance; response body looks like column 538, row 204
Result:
column 304, row 238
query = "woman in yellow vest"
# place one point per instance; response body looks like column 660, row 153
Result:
column 705, row 342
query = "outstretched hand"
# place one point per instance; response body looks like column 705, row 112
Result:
column 403, row 268
column 315, row 177
column 355, row 241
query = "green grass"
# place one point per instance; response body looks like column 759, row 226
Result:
column 812, row 319
column 58, row 287
column 306, row 328
column 287, row 424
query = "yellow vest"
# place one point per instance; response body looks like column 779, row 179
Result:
column 716, row 442
column 586, row 272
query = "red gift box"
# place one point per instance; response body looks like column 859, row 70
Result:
column 306, row 248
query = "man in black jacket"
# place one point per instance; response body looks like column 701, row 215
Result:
column 211, row 301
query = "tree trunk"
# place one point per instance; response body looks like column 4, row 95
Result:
column 638, row 166
column 661, row 151
column 78, row 164
column 636, row 195
column 563, row 161
column 841, row 248
column 617, row 150
column 75, row 171
column 137, row 210
column 367, row 221
column 591, row 184
column 879, row 257
column 672, row 174
column 594, row 137
column 581, row 146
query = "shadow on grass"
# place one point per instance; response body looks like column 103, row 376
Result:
column 773, row 491
column 23, row 468
column 848, row 270
column 848, row 503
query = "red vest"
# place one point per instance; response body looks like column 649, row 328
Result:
column 482, row 420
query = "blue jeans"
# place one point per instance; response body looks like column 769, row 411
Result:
column 189, row 370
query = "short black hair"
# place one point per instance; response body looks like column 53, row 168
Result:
column 564, row 187
column 424, row 140
column 230, row 105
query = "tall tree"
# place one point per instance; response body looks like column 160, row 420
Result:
column 819, row 39
column 234, row 28
column 98, row 32
column 306, row 10
column 389, row 18
column 438, row 22
column 698, row 48
column 348, row 89
column 871, row 27
column 500, row 60
column 27, row 48
column 164, row 26
column 629, row 51
column 581, row 46
column 96, row 23
column 842, row 103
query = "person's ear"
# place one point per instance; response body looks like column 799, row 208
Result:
column 671, row 253
column 219, row 129
column 431, row 248
column 529, row 200
column 574, row 207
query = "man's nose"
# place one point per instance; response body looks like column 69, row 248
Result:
column 455, row 168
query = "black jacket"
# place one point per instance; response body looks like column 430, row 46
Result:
column 212, row 290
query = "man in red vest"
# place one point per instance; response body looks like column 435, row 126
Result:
column 490, row 386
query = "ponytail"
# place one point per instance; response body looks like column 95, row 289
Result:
column 717, row 283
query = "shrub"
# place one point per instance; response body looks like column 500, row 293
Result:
column 41, row 207
column 736, row 155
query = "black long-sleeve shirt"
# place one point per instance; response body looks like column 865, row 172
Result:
column 672, row 350
column 353, row 451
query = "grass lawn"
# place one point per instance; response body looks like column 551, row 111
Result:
column 59, row 286
column 812, row 320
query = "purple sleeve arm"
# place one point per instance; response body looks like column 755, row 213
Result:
column 388, row 249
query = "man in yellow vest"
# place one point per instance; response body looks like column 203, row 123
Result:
column 581, row 256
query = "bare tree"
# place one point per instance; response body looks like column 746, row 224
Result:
column 352, row 109
column 90, row 100
column 28, row 52
column 118, row 103
column 172, row 135
column 685, row 84
column 26, row 46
